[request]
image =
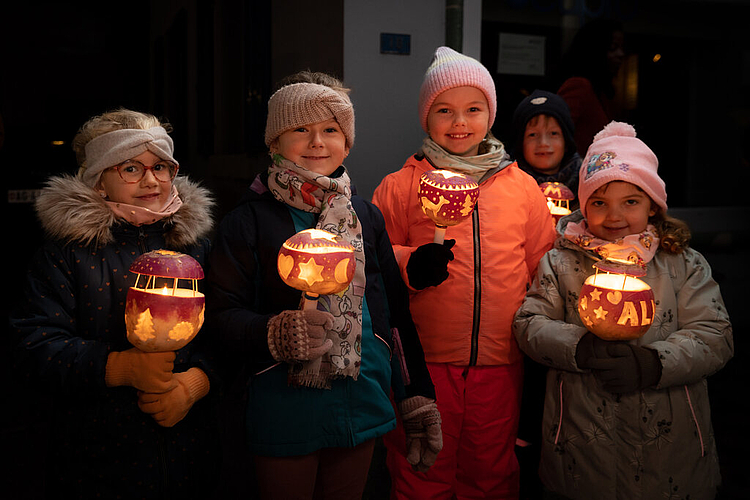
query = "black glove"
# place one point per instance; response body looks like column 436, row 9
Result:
column 627, row 368
column 428, row 264
column 590, row 347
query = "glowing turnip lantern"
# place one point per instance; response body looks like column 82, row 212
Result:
column 316, row 262
column 164, row 309
column 558, row 198
column 614, row 304
column 447, row 198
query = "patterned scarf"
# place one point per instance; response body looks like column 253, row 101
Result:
column 491, row 153
column 634, row 248
column 139, row 216
column 331, row 198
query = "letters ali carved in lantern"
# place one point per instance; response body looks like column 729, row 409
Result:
column 615, row 304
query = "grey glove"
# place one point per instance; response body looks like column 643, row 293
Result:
column 424, row 437
column 299, row 335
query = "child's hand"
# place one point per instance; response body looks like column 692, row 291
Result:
column 428, row 264
column 589, row 347
column 170, row 407
column 299, row 335
column 424, row 436
column 146, row 371
column 627, row 368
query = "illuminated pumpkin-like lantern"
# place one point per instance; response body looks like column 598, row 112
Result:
column 558, row 198
column 447, row 198
column 614, row 304
column 316, row 262
column 164, row 309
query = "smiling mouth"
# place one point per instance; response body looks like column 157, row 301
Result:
column 459, row 136
column 315, row 157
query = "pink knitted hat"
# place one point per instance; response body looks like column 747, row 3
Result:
column 304, row 103
column 450, row 69
column 617, row 155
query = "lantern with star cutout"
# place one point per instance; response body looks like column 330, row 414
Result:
column 164, row 309
column 447, row 198
column 558, row 198
column 614, row 304
column 316, row 262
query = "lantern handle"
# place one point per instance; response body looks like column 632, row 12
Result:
column 311, row 301
column 439, row 237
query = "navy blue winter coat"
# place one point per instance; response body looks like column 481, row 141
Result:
column 102, row 444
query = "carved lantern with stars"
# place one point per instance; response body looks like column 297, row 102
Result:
column 316, row 262
column 558, row 198
column 447, row 198
column 164, row 309
column 614, row 304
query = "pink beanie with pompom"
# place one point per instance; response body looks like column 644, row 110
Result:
column 450, row 69
column 617, row 155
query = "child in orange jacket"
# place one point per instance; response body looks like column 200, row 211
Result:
column 465, row 293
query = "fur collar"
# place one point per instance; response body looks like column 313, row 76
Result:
column 71, row 211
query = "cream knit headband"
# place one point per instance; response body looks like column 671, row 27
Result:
column 304, row 103
column 115, row 147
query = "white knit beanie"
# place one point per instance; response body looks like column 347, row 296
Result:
column 301, row 104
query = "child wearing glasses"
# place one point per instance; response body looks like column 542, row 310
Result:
column 124, row 422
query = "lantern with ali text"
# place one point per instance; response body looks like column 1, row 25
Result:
column 614, row 304
column 558, row 198
column 164, row 309
column 447, row 198
column 316, row 262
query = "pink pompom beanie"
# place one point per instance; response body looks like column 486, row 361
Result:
column 617, row 155
column 450, row 69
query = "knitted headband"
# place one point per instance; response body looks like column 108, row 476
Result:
column 450, row 69
column 617, row 155
column 117, row 146
column 304, row 103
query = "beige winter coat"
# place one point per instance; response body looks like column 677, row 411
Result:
column 654, row 443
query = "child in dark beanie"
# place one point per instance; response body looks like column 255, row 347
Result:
column 543, row 140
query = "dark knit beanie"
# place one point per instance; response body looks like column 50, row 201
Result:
column 538, row 103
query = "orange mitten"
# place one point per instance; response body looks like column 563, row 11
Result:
column 170, row 407
column 146, row 371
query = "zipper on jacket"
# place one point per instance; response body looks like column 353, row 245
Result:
column 477, row 287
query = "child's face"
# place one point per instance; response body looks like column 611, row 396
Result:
column 543, row 144
column 459, row 119
column 319, row 147
column 618, row 209
column 147, row 193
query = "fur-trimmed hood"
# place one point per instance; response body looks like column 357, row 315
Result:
column 71, row 211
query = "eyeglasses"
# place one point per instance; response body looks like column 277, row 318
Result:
column 132, row 171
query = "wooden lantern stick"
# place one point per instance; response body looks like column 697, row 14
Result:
column 439, row 234
column 311, row 301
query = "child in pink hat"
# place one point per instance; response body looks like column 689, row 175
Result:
column 465, row 292
column 618, row 412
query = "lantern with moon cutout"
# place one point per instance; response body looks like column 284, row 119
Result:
column 614, row 304
column 164, row 309
column 558, row 198
column 447, row 198
column 316, row 262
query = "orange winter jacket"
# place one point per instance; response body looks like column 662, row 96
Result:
column 466, row 320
